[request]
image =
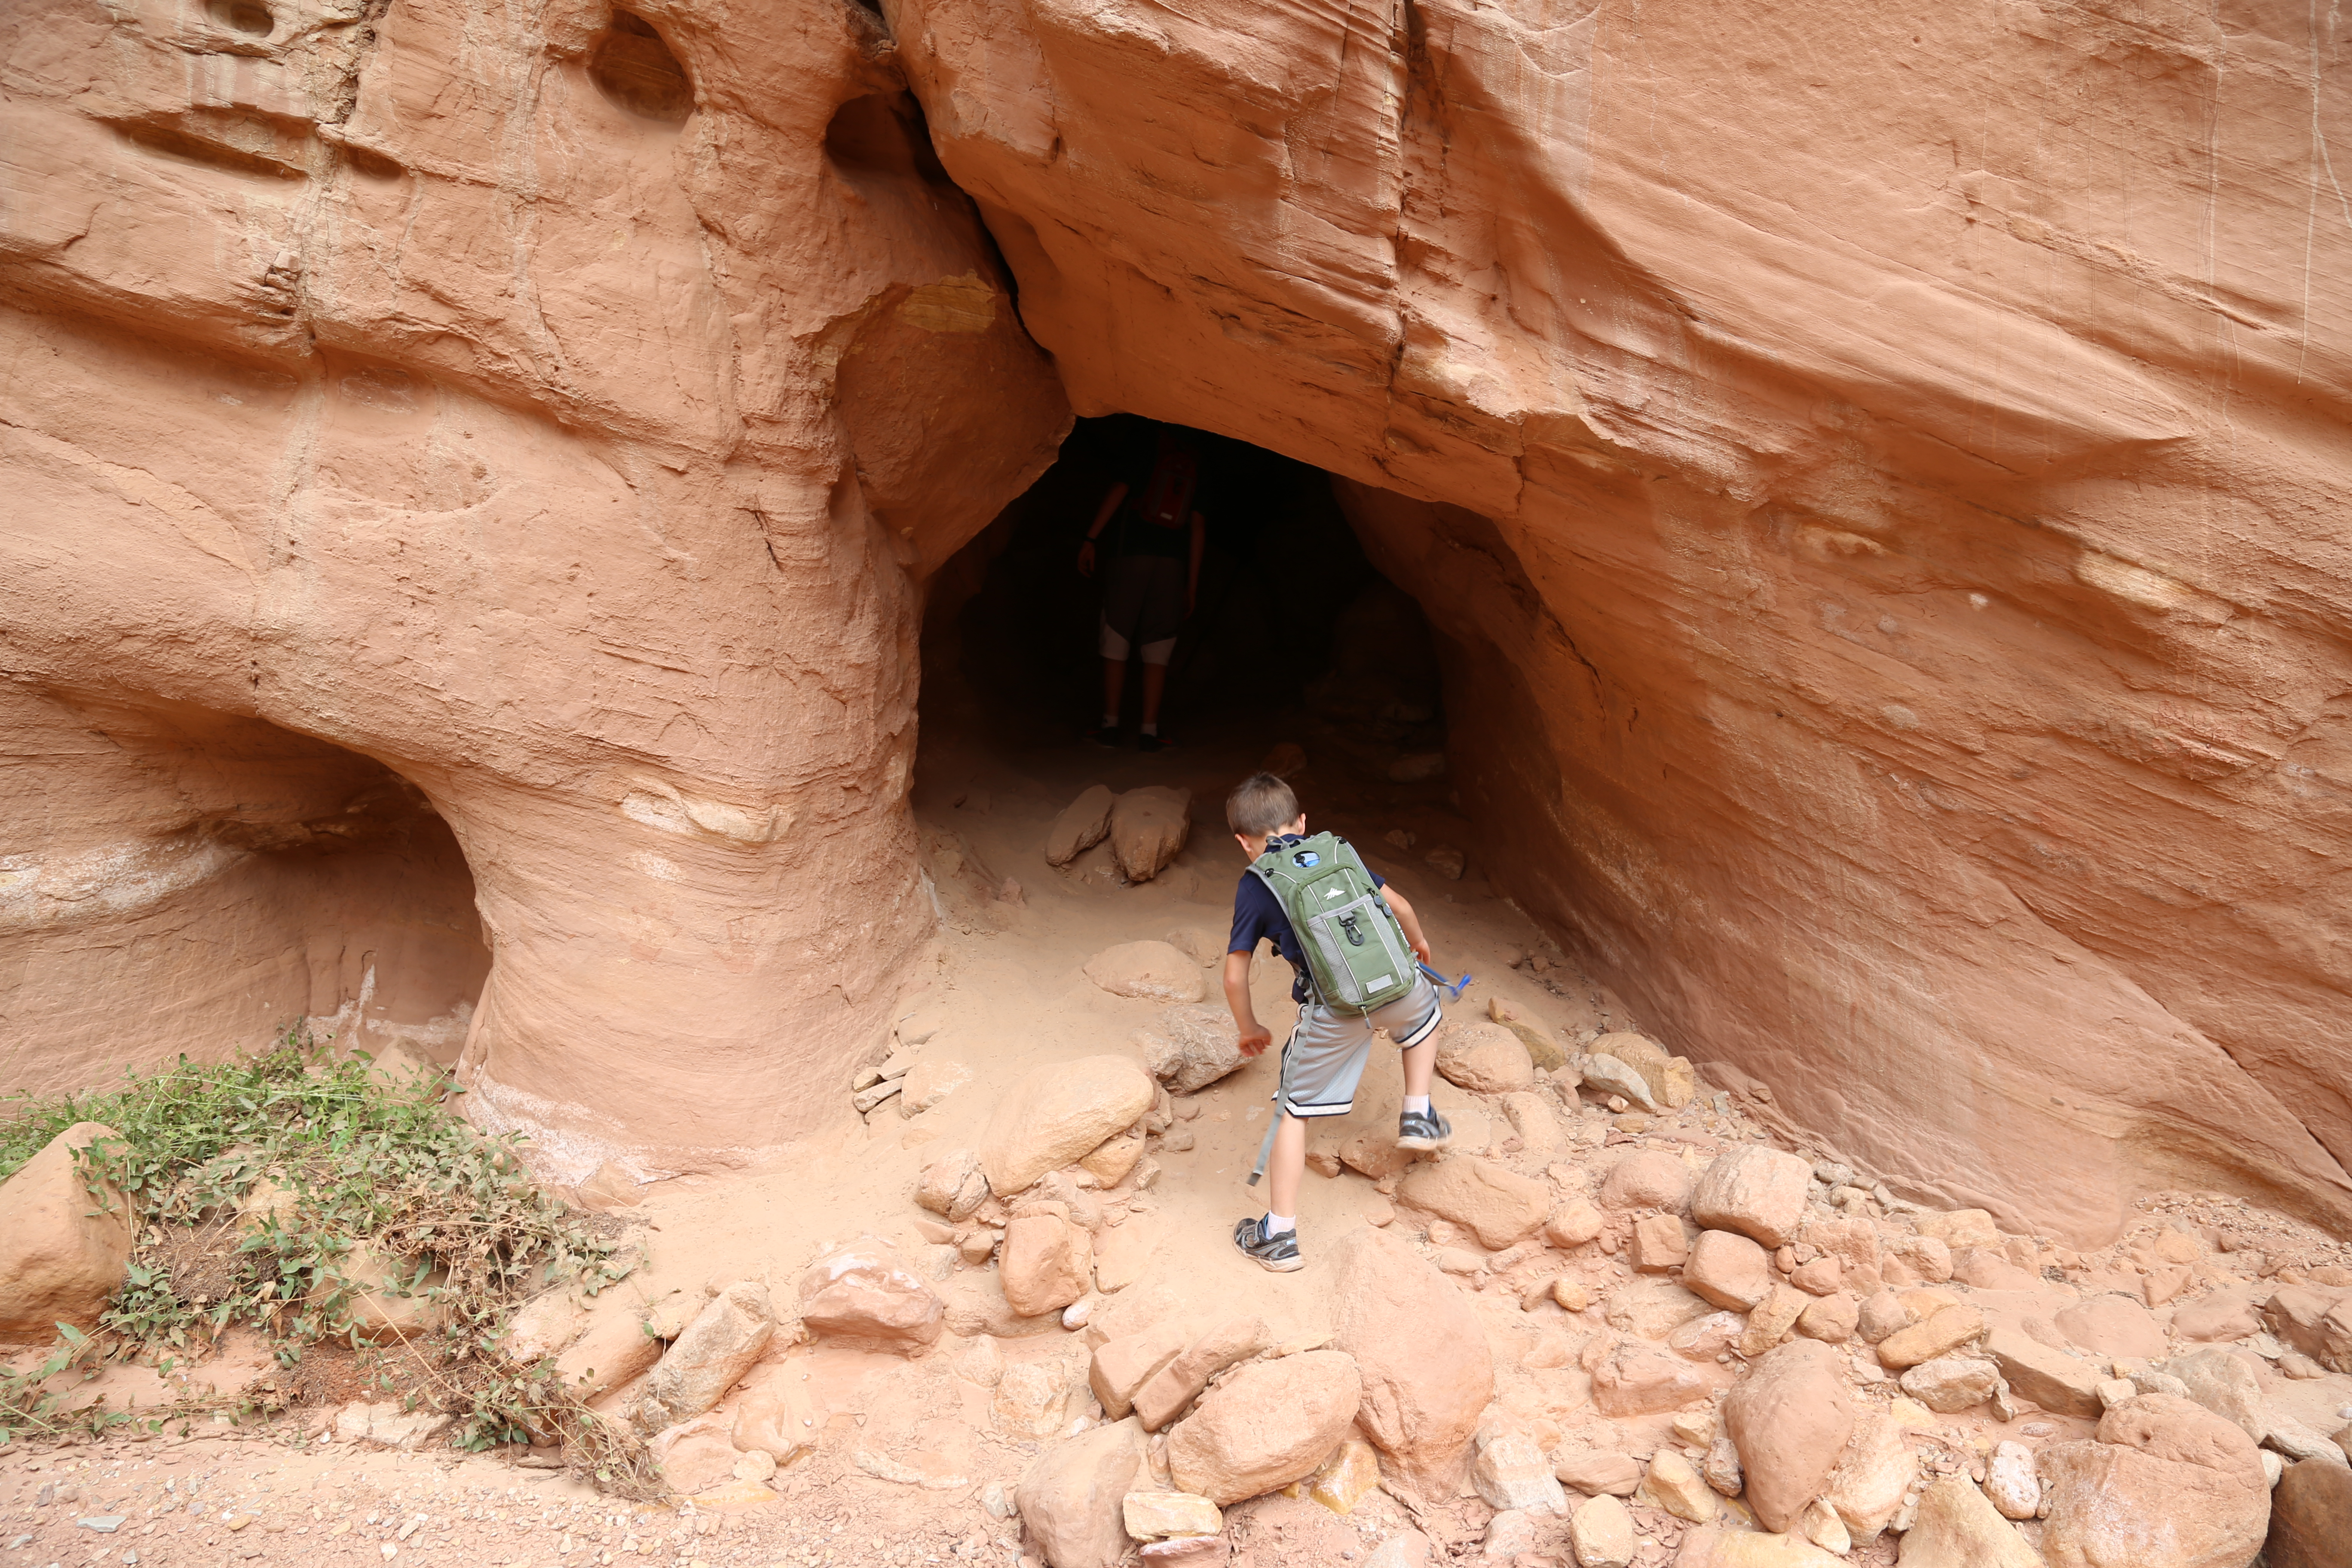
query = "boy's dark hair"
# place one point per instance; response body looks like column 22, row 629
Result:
column 1260, row 803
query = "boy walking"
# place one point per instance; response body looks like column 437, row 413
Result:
column 1355, row 972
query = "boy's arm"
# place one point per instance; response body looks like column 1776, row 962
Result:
column 1255, row 1037
column 1110, row 500
column 1408, row 921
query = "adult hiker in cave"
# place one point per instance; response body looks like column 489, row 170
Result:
column 1153, row 580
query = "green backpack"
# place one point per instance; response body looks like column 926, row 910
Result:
column 1356, row 959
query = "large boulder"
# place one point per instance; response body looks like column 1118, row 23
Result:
column 1948, row 1384
column 1421, row 1350
column 1268, row 1424
column 1500, row 1205
column 1070, row 1497
column 1956, row 1527
column 2227, row 1383
column 1643, row 1380
column 1728, row 1270
column 1151, row 970
column 1190, row 1047
column 1045, row 1264
column 1789, row 1419
column 778, row 1415
column 1652, row 1309
column 1080, row 825
column 1671, row 1080
column 865, row 1297
column 2051, row 1378
column 63, row 1249
column 1867, row 1487
column 1060, row 1112
column 2166, row 1484
column 1759, row 1192
column 613, row 1350
column 1485, row 1058
column 1648, row 1178
column 711, row 1355
column 2316, row 1323
column 1162, row 1396
column 951, row 1185
column 1148, row 826
column 2311, row 1516
column 1121, row 1366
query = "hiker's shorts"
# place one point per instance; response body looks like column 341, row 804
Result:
column 1143, row 606
column 1325, row 1057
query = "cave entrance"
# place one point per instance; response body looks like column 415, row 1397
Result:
column 242, row 881
column 1300, row 655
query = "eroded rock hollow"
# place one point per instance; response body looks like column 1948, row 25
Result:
column 1875, row 473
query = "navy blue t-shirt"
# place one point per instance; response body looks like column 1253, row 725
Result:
column 1258, row 913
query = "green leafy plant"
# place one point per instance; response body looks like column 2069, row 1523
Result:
column 309, row 1199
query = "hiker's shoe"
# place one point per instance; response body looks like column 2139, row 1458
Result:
column 1279, row 1253
column 1152, row 742
column 1423, row 1130
column 1105, row 735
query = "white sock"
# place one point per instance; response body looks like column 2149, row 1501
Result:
column 1152, row 728
column 1416, row 1104
column 1275, row 1224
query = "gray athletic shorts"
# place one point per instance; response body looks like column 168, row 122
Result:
column 1143, row 607
column 1325, row 1057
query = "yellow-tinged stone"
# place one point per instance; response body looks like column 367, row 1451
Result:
column 1912, row 1416
column 1352, row 1474
column 1161, row 1516
column 1542, row 1050
column 1672, row 1485
column 239, row 1523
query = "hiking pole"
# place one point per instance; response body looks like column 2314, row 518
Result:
column 1453, row 988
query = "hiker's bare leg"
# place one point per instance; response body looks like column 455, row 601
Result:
column 1155, row 683
column 1287, row 1167
column 1114, row 685
column 1419, row 1063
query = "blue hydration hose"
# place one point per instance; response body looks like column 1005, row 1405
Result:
column 1453, row 988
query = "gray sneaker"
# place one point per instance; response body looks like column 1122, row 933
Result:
column 1423, row 1130
column 1279, row 1253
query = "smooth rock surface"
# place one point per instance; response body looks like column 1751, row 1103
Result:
column 62, row 1250
column 1060, row 1112
column 1268, row 1424
column 1191, row 1046
column 1072, row 1496
column 1956, row 1527
column 2166, row 1484
column 1759, row 1192
column 1790, row 1418
column 1417, row 1343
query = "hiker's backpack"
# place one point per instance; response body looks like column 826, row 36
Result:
column 1357, row 958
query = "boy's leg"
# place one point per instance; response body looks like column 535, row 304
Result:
column 1286, row 1170
column 1412, row 1021
column 1155, row 683
column 1114, row 687
column 1321, row 1063
column 1420, row 1067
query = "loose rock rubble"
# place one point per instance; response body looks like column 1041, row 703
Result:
column 1584, row 1334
